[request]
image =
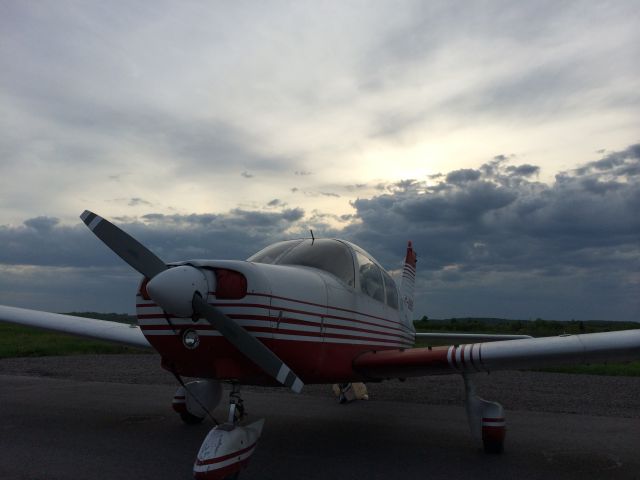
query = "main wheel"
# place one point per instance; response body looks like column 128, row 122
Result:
column 190, row 419
column 492, row 446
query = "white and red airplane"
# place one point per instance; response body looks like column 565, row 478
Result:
column 301, row 311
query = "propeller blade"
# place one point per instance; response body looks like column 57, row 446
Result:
column 125, row 246
column 248, row 345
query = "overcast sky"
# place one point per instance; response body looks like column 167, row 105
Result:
column 503, row 138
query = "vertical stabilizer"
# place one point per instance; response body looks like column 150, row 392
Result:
column 409, row 276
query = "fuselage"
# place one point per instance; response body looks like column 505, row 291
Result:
column 317, row 319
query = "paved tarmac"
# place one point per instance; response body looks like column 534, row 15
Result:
column 69, row 429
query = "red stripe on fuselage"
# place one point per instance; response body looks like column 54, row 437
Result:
column 268, row 295
column 374, row 341
column 280, row 328
column 402, row 331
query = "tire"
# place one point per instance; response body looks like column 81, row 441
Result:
column 493, row 447
column 190, row 419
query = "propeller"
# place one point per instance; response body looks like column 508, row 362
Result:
column 182, row 291
column 124, row 245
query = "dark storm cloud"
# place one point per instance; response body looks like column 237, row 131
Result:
column 402, row 185
column 503, row 229
column 42, row 224
column 42, row 241
column 620, row 163
column 490, row 243
column 44, row 264
column 463, row 175
column 525, row 170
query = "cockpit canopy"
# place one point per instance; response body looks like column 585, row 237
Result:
column 346, row 261
column 331, row 256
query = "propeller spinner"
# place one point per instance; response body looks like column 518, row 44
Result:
column 182, row 290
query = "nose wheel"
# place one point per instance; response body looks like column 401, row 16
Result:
column 196, row 400
column 236, row 406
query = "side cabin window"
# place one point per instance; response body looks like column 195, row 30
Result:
column 371, row 282
column 392, row 291
column 329, row 255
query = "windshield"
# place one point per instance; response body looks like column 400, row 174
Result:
column 271, row 253
column 331, row 256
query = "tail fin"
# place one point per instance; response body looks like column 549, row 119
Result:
column 409, row 276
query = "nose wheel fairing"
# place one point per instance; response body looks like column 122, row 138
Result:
column 227, row 448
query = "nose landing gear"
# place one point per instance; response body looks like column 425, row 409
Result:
column 227, row 448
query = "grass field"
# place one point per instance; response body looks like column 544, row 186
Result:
column 631, row 369
column 540, row 328
column 19, row 341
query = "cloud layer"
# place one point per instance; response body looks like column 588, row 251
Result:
column 492, row 241
column 193, row 106
column 574, row 242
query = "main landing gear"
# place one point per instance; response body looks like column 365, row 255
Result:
column 486, row 419
column 194, row 400
column 227, row 448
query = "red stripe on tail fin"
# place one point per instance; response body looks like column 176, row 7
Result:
column 409, row 276
column 411, row 257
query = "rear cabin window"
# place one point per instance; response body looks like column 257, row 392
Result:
column 331, row 256
column 371, row 282
column 392, row 291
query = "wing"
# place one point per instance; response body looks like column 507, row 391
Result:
column 467, row 337
column 501, row 355
column 85, row 327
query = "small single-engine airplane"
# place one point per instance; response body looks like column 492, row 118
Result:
column 301, row 311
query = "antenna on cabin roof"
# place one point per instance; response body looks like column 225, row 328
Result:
column 313, row 239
